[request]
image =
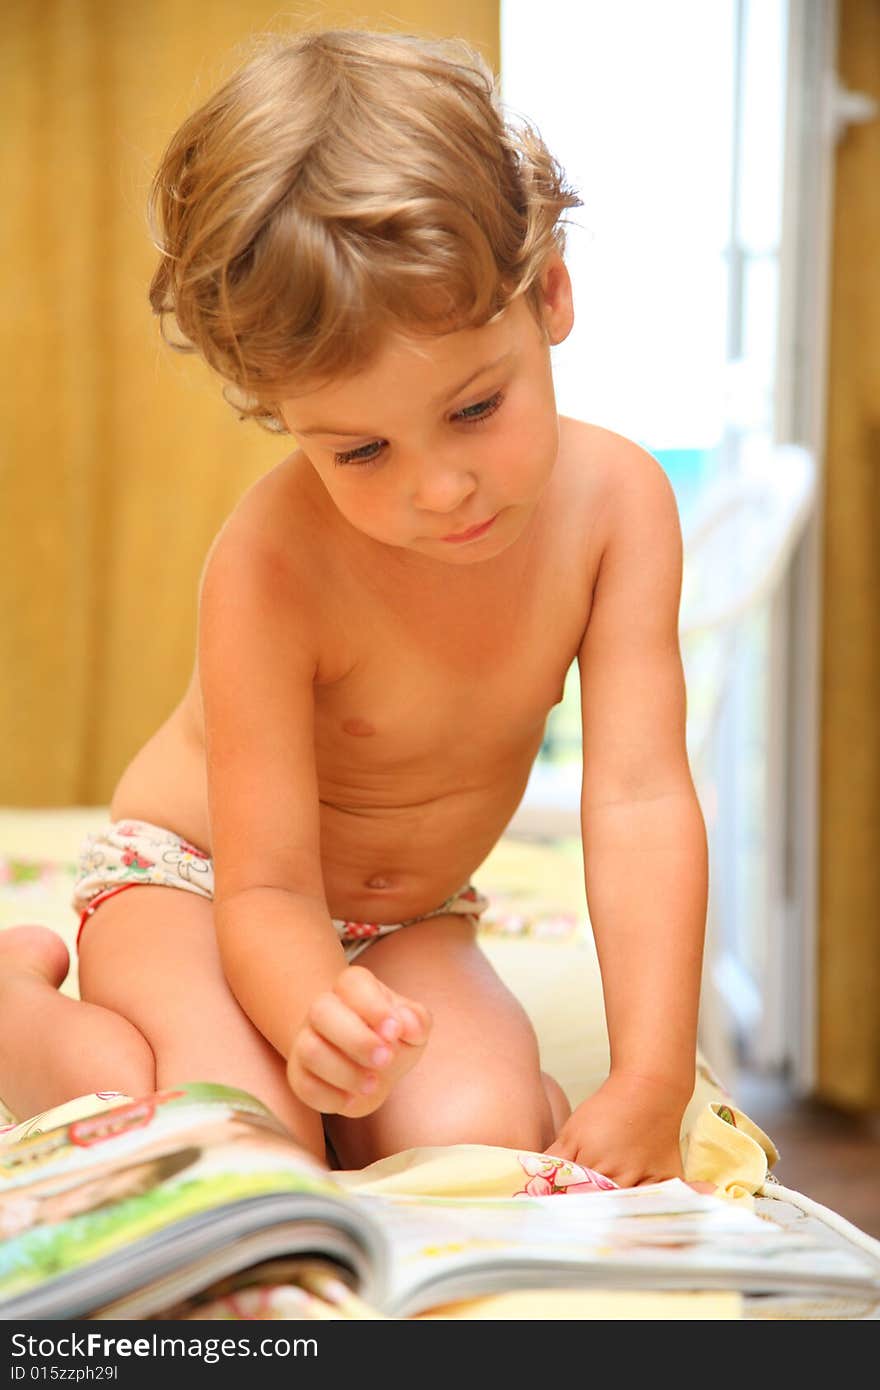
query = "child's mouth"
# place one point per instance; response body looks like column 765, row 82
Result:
column 473, row 533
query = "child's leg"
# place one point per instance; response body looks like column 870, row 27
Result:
column 53, row 1048
column 479, row 1080
column 151, row 956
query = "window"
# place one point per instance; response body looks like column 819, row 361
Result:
column 674, row 123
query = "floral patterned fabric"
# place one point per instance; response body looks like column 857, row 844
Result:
column 132, row 852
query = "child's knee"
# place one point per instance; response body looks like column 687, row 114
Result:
column 524, row 1122
column 504, row 1112
column 560, row 1106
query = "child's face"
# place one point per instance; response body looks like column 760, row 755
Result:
column 413, row 457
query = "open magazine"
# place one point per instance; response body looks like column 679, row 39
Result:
column 148, row 1209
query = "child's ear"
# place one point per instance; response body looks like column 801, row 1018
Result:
column 557, row 306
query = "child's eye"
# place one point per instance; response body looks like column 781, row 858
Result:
column 476, row 414
column 360, row 455
column 471, row 415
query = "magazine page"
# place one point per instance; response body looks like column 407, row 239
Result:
column 663, row 1235
column 302, row 1287
column 116, row 1200
column 109, row 1134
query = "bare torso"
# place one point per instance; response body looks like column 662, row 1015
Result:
column 430, row 704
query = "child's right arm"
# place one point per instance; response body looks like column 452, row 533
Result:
column 258, row 657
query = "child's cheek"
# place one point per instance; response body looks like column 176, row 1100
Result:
column 372, row 506
column 530, row 445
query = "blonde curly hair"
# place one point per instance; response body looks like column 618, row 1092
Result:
column 340, row 185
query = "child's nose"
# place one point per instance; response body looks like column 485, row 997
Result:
column 444, row 489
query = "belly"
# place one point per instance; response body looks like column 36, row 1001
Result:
column 384, row 858
column 389, row 863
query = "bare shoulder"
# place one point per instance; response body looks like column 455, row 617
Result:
column 620, row 485
column 268, row 530
column 263, row 557
column 637, row 552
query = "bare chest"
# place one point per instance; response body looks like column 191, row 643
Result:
column 454, row 689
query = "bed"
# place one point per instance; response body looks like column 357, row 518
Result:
column 537, row 935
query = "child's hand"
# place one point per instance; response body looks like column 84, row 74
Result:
column 358, row 1039
column 628, row 1130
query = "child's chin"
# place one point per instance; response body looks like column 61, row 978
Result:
column 459, row 555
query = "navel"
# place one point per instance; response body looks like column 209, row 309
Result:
column 378, row 882
column 361, row 728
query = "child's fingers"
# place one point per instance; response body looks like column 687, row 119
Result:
column 339, row 1024
column 317, row 1094
column 393, row 1016
column 320, row 1059
column 356, row 1041
column 415, row 1020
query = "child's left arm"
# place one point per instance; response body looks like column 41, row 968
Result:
column 645, row 853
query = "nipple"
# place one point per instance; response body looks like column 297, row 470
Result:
column 361, row 728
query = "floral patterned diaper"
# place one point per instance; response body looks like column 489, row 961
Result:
column 133, row 852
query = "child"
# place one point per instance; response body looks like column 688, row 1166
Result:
column 371, row 259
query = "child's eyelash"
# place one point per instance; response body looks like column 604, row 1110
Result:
column 361, row 456
column 357, row 455
column 486, row 408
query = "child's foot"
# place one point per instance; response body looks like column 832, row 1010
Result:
column 54, row 1048
column 33, row 951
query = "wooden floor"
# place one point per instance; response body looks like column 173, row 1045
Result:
column 826, row 1154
